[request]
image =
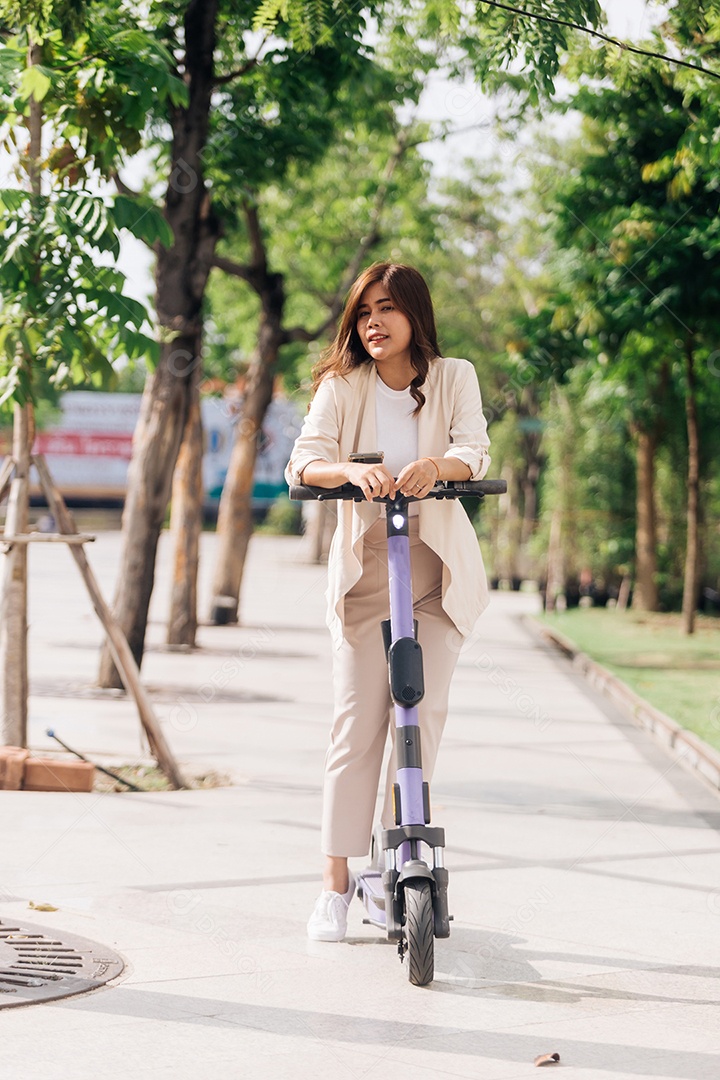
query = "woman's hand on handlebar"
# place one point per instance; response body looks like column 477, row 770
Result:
column 374, row 480
column 418, row 478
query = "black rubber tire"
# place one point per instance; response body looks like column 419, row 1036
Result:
column 419, row 932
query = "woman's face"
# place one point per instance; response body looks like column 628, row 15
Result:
column 384, row 331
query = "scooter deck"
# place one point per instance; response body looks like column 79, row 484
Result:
column 371, row 891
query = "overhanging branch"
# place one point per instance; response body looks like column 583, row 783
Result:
column 236, row 269
column 624, row 45
column 223, row 80
column 371, row 238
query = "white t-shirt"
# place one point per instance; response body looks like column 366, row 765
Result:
column 396, row 426
column 397, row 432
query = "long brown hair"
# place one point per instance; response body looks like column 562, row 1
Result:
column 408, row 292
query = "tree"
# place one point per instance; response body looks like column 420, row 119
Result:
column 587, row 489
column 489, row 283
column 64, row 314
column 235, row 128
column 637, row 222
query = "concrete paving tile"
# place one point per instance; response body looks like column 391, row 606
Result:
column 583, row 864
column 665, row 985
column 142, row 1047
column 505, row 1054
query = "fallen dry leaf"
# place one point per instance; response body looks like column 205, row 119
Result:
column 41, row 907
column 547, row 1059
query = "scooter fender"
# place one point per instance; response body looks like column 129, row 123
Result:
column 393, row 883
column 438, row 882
column 415, row 868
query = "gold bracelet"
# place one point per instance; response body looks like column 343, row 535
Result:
column 437, row 467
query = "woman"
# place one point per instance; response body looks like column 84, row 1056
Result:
column 383, row 385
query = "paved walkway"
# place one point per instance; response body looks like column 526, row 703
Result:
column 585, row 866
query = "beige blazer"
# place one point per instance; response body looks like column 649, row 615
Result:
column 341, row 420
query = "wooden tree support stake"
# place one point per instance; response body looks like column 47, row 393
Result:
column 6, row 474
column 43, row 538
column 123, row 657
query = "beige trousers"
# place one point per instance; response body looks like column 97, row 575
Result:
column 363, row 706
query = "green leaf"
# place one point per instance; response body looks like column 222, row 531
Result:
column 12, row 60
column 269, row 14
column 14, row 248
column 35, row 83
column 143, row 219
column 12, row 198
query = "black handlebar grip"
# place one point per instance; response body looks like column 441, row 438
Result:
column 483, row 487
column 301, row 493
column 307, row 493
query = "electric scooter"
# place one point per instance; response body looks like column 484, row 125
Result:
column 405, row 889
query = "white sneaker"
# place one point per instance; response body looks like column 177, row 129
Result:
column 328, row 921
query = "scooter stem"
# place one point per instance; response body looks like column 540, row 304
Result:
column 407, row 742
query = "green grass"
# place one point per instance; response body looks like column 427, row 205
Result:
column 151, row 778
column 678, row 674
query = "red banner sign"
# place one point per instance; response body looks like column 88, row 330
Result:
column 84, row 444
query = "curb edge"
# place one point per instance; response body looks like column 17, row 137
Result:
column 685, row 746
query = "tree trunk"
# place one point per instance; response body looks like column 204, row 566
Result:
column 689, row 602
column 181, row 278
column 555, row 561
column 13, row 625
column 186, row 525
column 645, row 593
column 562, row 546
column 13, row 617
column 531, row 440
column 511, row 528
column 235, row 523
column 530, row 487
column 623, row 593
column 530, row 479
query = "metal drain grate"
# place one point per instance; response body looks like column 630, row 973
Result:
column 36, row 965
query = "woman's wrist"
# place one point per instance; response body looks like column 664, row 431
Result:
column 434, row 462
column 452, row 469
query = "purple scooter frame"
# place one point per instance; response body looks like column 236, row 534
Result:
column 409, row 779
column 402, row 893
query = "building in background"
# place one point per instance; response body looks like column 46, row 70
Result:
column 88, row 450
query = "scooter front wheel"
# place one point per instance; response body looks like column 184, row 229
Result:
column 419, row 932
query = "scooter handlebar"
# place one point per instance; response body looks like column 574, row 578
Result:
column 479, row 487
column 444, row 490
